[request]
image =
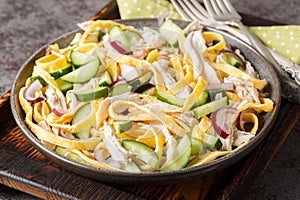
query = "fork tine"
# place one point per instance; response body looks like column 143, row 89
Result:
column 200, row 9
column 231, row 8
column 198, row 13
column 180, row 10
column 210, row 9
column 216, row 7
column 222, row 6
column 189, row 9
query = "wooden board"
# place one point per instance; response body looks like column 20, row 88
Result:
column 25, row 169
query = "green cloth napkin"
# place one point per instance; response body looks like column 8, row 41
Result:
column 285, row 40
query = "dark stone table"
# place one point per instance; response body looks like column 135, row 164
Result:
column 25, row 26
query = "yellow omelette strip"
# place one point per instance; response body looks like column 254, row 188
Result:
column 176, row 61
column 101, row 24
column 153, row 56
column 233, row 71
column 93, row 162
column 52, row 63
column 189, row 102
column 208, row 157
column 267, row 105
column 187, row 79
column 253, row 119
column 213, row 50
column 233, row 96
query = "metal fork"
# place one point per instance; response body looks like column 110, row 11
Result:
column 193, row 10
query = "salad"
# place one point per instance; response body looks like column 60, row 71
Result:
column 144, row 99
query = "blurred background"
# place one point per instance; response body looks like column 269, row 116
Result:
column 25, row 26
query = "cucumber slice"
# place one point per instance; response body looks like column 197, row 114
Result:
column 197, row 147
column 64, row 86
column 78, row 59
column 231, row 59
column 212, row 142
column 171, row 32
column 210, row 107
column 120, row 89
column 202, row 99
column 213, row 95
column 122, row 126
column 132, row 37
column 85, row 134
column 131, row 167
column 140, row 81
column 42, row 81
column 105, row 79
column 168, row 98
column 68, row 154
column 84, row 73
column 183, row 151
column 84, row 118
column 117, row 34
column 91, row 94
column 61, row 72
column 141, row 151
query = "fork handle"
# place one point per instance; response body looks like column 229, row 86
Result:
column 289, row 87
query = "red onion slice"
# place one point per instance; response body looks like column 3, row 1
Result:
column 161, row 17
column 164, row 61
column 31, row 90
column 116, row 45
column 220, row 86
column 57, row 112
column 223, row 119
column 116, row 82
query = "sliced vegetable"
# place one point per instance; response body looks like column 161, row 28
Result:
column 171, row 32
column 64, row 86
column 210, row 107
column 168, row 98
column 61, row 72
column 105, row 79
column 31, row 90
column 78, row 59
column 68, row 154
column 223, row 119
column 42, row 81
column 141, row 81
column 202, row 99
column 84, row 73
column 123, row 126
column 141, row 151
column 131, row 167
column 91, row 94
column 84, row 117
column 183, row 153
column 212, row 142
column 132, row 37
column 232, row 58
column 197, row 147
column 120, row 88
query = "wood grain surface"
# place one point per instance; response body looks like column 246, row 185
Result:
column 24, row 168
